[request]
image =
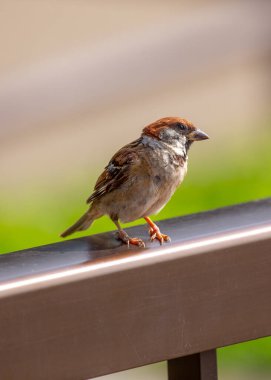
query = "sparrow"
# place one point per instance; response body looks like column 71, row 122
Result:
column 141, row 178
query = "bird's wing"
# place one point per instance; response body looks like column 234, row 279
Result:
column 117, row 171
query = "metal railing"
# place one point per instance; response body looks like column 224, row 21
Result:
column 91, row 306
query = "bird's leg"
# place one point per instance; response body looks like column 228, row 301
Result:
column 155, row 233
column 123, row 236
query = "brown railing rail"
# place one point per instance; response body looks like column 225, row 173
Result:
column 90, row 306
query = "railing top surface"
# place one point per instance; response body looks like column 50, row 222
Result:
column 92, row 249
column 90, row 306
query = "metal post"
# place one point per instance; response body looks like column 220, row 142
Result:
column 201, row 366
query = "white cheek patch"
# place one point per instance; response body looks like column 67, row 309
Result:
column 178, row 148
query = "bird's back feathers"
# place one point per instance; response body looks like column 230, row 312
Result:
column 117, row 171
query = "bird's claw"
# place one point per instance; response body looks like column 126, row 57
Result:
column 136, row 241
column 125, row 238
column 155, row 234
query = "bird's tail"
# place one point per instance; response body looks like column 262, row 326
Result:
column 83, row 223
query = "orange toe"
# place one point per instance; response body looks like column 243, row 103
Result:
column 136, row 241
column 125, row 238
column 155, row 234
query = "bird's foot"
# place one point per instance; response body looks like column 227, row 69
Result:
column 155, row 234
column 125, row 238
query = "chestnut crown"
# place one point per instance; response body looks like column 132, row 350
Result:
column 174, row 127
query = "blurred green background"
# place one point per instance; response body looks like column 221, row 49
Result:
column 78, row 80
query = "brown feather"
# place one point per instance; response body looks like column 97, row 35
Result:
column 83, row 223
column 116, row 172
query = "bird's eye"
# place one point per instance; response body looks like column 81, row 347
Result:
column 181, row 126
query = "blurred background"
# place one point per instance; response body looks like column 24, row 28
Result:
column 79, row 79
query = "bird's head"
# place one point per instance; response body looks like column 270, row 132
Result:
column 170, row 129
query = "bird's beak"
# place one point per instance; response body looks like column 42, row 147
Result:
column 198, row 135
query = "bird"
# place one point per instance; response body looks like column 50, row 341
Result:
column 141, row 178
